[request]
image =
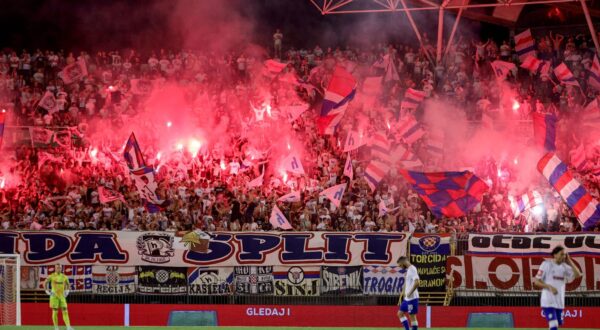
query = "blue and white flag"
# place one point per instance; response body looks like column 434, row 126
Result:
column 133, row 154
column 502, row 69
column 146, row 186
column 354, row 140
column 335, row 194
column 292, row 197
column 278, row 219
column 594, row 78
column 584, row 206
column 339, row 92
column 348, row 169
column 564, row 74
column 293, row 164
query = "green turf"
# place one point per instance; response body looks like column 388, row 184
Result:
column 242, row 328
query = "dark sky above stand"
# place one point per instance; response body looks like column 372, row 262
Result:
column 175, row 24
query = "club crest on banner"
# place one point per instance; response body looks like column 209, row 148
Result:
column 429, row 243
column 295, row 275
column 155, row 247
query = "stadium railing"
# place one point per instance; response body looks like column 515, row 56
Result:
column 516, row 295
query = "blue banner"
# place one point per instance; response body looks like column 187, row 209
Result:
column 429, row 252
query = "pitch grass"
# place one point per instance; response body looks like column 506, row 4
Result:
column 26, row 327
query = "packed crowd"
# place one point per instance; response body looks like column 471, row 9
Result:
column 57, row 188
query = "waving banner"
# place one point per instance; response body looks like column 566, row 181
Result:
column 222, row 248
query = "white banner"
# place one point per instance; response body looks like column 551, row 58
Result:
column 210, row 280
column 253, row 280
column 522, row 245
column 113, row 279
column 514, row 274
column 296, row 281
column 194, row 248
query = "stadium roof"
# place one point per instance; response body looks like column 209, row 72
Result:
column 508, row 13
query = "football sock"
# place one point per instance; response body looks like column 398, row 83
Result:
column 55, row 317
column 404, row 321
column 65, row 315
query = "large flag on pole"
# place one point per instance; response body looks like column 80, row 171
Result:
column 531, row 63
column 44, row 157
column 380, row 147
column 278, row 219
column 594, row 72
column 40, row 137
column 405, row 158
column 412, row 99
column 339, row 92
column 524, row 45
column 48, row 102
column 565, row 75
column 107, row 195
column 73, row 72
column 410, row 130
column 544, row 130
column 527, row 201
column 573, row 193
column 133, row 154
column 146, row 185
column 335, row 194
column 452, row 194
column 274, row 66
column 348, row 169
column 375, row 172
column 502, row 69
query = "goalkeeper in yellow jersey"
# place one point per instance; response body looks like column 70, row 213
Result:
column 57, row 287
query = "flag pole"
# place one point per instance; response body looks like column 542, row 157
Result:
column 590, row 25
column 414, row 26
